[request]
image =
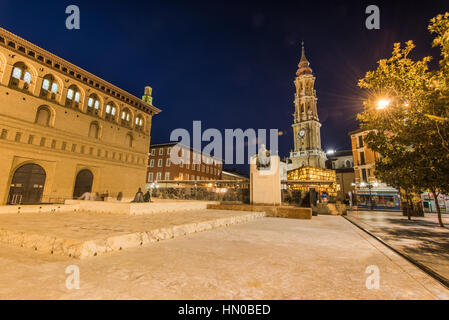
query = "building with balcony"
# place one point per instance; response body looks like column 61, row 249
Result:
column 370, row 192
column 65, row 131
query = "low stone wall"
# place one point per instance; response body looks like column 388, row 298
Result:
column 82, row 249
column 271, row 211
column 334, row 209
column 138, row 208
column 110, row 207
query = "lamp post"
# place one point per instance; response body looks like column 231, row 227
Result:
column 369, row 186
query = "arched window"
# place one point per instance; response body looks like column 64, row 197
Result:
column 126, row 118
column 43, row 116
column 73, row 97
column 111, row 111
column 93, row 105
column 139, row 123
column 94, row 130
column 20, row 77
column 129, row 140
column 49, row 87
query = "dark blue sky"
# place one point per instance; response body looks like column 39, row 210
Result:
column 230, row 64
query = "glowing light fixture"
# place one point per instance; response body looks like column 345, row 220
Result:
column 382, row 104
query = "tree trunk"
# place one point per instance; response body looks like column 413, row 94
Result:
column 409, row 205
column 435, row 196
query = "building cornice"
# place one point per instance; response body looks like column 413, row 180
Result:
column 31, row 51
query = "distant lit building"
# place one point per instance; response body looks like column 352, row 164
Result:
column 233, row 176
column 317, row 179
column 343, row 164
column 200, row 167
column 370, row 192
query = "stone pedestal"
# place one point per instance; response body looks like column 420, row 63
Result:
column 265, row 184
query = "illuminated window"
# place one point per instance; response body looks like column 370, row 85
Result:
column 111, row 111
column 27, row 77
column 70, row 94
column 126, row 118
column 139, row 123
column 17, row 73
column 93, row 105
column 49, row 85
column 46, row 84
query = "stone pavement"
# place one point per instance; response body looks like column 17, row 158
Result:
column 421, row 239
column 268, row 258
column 85, row 234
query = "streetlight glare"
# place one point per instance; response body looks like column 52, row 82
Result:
column 382, row 104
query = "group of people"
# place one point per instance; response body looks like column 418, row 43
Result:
column 141, row 197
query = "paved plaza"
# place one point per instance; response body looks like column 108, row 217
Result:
column 267, row 258
column 421, row 238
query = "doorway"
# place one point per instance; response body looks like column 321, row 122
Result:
column 83, row 183
column 27, row 185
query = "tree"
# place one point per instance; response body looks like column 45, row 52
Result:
column 407, row 114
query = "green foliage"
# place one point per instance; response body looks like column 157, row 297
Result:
column 411, row 134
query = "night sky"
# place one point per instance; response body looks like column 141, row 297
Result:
column 230, row 64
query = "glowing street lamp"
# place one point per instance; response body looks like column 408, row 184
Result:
column 382, row 104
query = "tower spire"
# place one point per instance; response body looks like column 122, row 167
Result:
column 304, row 64
column 303, row 56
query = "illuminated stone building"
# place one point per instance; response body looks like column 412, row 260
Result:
column 306, row 124
column 65, row 131
column 370, row 192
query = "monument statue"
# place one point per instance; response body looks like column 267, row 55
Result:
column 263, row 161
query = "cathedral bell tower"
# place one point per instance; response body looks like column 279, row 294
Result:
column 306, row 125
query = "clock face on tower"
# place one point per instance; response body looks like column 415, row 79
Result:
column 301, row 133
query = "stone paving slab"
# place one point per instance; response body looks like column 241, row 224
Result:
column 270, row 258
column 83, row 234
column 421, row 238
